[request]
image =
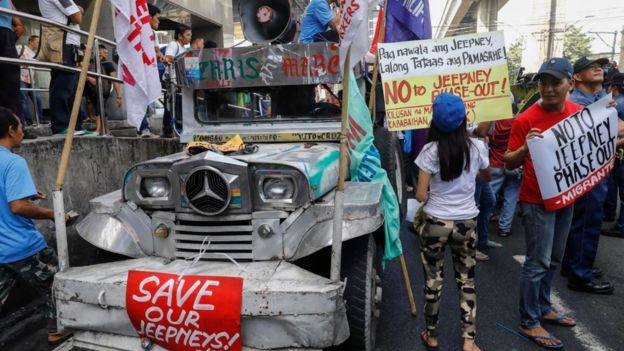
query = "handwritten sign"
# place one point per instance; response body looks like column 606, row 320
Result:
column 576, row 154
column 473, row 67
column 186, row 313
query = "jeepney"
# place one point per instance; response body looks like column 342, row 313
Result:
column 263, row 214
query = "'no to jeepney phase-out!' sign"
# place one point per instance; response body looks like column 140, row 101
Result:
column 576, row 154
column 186, row 313
column 473, row 67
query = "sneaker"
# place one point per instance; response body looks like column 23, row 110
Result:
column 55, row 339
column 146, row 133
column 504, row 233
column 494, row 244
column 614, row 232
column 480, row 256
column 76, row 132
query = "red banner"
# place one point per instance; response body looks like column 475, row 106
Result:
column 186, row 313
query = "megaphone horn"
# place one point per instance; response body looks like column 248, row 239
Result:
column 267, row 21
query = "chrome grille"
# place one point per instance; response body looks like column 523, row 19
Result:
column 208, row 191
column 229, row 235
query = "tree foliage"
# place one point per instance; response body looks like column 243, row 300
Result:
column 576, row 43
column 514, row 59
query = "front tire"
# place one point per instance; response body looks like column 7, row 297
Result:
column 391, row 152
column 360, row 268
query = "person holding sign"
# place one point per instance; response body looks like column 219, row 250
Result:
column 546, row 232
column 582, row 246
column 449, row 164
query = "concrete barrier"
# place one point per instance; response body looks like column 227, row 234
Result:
column 97, row 166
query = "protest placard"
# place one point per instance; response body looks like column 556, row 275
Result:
column 473, row 67
column 575, row 154
column 186, row 313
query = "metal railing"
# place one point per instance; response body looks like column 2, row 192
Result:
column 46, row 66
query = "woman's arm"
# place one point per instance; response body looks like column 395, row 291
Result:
column 422, row 190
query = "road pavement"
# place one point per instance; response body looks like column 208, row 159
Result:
column 497, row 282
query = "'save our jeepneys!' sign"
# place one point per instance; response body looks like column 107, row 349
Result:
column 473, row 67
column 576, row 154
column 186, row 313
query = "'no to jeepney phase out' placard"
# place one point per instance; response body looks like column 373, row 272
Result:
column 473, row 67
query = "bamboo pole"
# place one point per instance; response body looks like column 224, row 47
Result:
column 371, row 108
column 336, row 256
column 59, row 208
column 380, row 37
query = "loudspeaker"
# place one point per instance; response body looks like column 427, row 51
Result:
column 267, row 21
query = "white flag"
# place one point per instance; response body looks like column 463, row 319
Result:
column 137, row 58
column 353, row 29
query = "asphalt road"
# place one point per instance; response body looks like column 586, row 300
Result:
column 599, row 318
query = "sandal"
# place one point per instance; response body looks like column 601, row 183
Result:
column 539, row 340
column 423, row 338
column 558, row 321
column 480, row 256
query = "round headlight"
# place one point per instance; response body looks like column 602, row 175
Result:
column 155, row 187
column 278, row 188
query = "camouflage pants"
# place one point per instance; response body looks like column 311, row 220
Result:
column 38, row 272
column 461, row 236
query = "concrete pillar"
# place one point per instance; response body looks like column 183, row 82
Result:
column 487, row 15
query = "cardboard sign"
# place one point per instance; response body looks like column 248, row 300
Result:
column 187, row 314
column 576, row 154
column 473, row 67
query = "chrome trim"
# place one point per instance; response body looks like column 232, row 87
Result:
column 226, row 202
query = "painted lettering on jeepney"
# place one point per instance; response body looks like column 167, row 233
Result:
column 229, row 69
column 319, row 65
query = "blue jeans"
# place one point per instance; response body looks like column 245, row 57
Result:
column 546, row 233
column 582, row 245
column 485, row 200
column 62, row 91
column 26, row 96
column 511, row 189
column 145, row 122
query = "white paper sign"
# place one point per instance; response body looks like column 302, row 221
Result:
column 576, row 154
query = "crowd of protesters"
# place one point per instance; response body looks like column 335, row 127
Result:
column 461, row 185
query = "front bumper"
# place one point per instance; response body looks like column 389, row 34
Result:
column 284, row 306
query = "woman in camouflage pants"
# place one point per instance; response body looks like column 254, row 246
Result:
column 449, row 165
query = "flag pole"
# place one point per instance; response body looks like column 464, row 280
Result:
column 57, row 195
column 371, row 107
column 380, row 39
column 336, row 255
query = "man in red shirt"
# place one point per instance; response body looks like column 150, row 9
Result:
column 546, row 232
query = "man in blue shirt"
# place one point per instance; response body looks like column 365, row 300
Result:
column 23, row 251
column 10, row 29
column 616, row 87
column 317, row 18
column 582, row 245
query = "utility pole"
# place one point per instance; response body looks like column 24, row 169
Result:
column 613, row 46
column 621, row 63
column 551, row 28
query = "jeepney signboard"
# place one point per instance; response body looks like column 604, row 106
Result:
column 262, row 66
column 186, row 313
column 473, row 67
column 575, row 154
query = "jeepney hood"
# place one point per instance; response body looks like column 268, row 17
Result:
column 318, row 162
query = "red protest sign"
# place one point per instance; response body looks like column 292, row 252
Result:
column 186, row 313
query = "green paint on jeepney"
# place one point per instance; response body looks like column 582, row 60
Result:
column 321, row 172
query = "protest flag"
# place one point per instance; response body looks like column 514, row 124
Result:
column 137, row 58
column 409, row 20
column 353, row 30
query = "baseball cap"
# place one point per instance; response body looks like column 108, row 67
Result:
column 449, row 112
column 557, row 67
column 584, row 62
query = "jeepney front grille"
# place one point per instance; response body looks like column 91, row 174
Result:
column 215, row 236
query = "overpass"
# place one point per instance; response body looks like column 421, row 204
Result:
column 468, row 16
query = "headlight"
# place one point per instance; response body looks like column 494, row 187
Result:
column 155, row 187
column 278, row 189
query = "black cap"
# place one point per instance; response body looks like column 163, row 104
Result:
column 584, row 62
column 557, row 67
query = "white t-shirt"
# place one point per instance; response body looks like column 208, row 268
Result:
column 27, row 54
column 454, row 200
column 59, row 11
column 174, row 49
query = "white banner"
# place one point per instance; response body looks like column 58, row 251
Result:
column 575, row 154
column 137, row 58
column 353, row 29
